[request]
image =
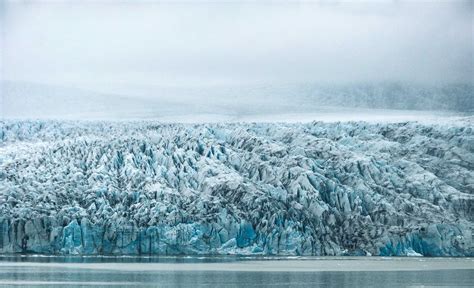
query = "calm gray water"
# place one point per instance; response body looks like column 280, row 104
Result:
column 64, row 272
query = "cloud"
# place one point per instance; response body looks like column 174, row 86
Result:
column 98, row 44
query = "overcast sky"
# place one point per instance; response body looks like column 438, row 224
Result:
column 100, row 44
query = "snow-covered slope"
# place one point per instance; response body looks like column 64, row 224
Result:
column 309, row 189
column 301, row 102
column 23, row 100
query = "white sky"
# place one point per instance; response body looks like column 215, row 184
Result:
column 98, row 44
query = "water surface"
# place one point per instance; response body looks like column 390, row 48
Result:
column 235, row 272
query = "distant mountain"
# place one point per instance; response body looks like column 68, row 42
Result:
column 392, row 95
column 32, row 100
column 304, row 97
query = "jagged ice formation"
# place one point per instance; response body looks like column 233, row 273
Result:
column 297, row 189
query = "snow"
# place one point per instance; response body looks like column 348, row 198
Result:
column 144, row 187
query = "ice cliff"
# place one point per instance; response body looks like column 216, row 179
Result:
column 299, row 189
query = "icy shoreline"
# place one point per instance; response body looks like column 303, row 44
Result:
column 140, row 188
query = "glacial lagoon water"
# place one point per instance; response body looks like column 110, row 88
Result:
column 39, row 271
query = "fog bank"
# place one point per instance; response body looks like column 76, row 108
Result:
column 202, row 53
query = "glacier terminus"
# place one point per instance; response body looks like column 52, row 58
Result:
column 145, row 188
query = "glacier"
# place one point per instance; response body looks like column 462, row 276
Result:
column 148, row 188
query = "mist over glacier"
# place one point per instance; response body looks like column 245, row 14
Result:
column 232, row 58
